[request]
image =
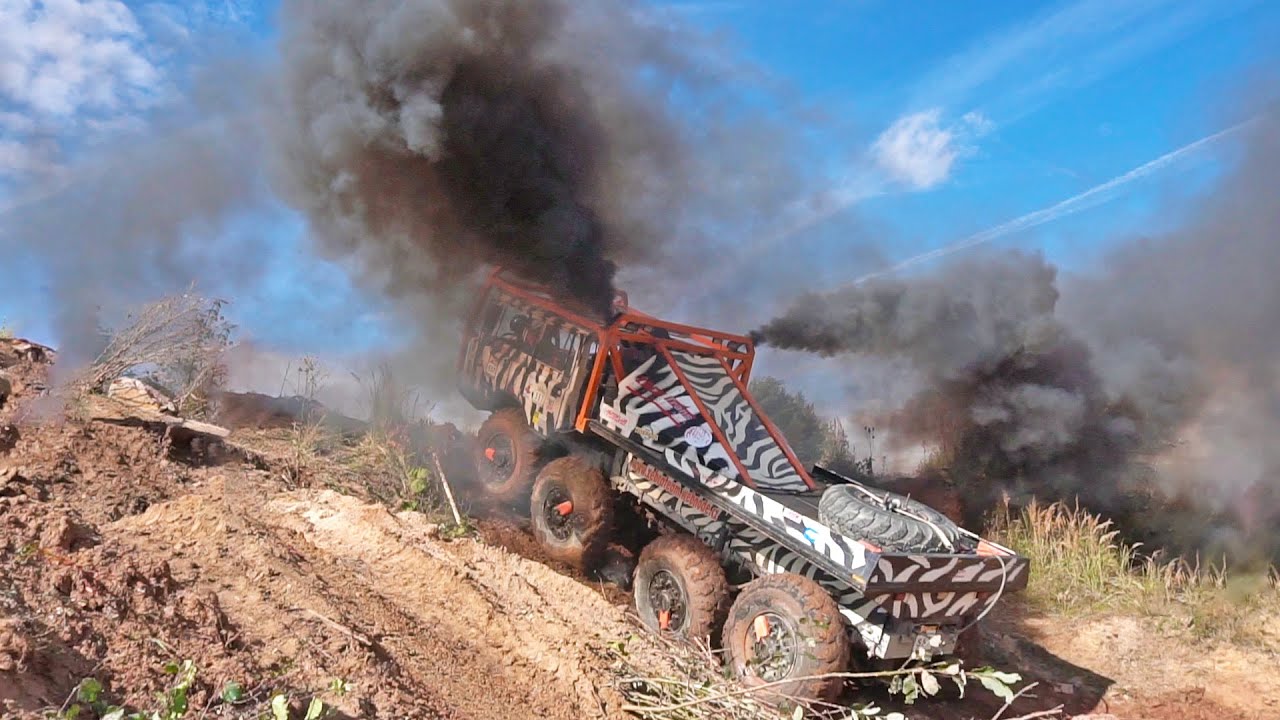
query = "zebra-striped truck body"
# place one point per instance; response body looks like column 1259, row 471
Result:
column 668, row 405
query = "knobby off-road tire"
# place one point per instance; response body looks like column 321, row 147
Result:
column 578, row 538
column 803, row 635
column 679, row 574
column 506, row 478
column 853, row 514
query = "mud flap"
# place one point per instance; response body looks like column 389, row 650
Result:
column 908, row 640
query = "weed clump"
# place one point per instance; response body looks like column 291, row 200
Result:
column 1079, row 567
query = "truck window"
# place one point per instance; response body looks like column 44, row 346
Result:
column 490, row 316
column 559, row 345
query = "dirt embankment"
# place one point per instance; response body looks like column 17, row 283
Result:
column 276, row 589
column 121, row 552
column 118, row 554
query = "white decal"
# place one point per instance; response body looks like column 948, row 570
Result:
column 698, row 436
column 612, row 417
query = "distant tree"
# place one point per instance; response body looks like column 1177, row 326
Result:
column 794, row 415
column 837, row 455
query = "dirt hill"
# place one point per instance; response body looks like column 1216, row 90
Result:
column 126, row 547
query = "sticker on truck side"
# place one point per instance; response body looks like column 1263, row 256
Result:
column 622, row 422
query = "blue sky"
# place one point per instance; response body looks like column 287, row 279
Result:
column 944, row 120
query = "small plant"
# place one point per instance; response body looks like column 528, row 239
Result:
column 453, row 531
column 417, row 482
column 316, row 709
column 6, row 332
column 178, row 342
column 173, row 703
column 88, row 696
column 232, row 693
column 309, row 433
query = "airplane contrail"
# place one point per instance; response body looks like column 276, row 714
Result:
column 1087, row 199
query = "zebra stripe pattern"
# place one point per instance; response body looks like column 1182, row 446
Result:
column 880, row 621
column 498, row 364
column 764, row 460
column 661, row 412
column 925, row 569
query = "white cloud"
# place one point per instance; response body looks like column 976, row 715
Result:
column 920, row 150
column 916, row 149
column 61, row 58
column 1092, row 197
column 977, row 123
column 17, row 158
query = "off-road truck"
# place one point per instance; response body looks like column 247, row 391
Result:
column 794, row 571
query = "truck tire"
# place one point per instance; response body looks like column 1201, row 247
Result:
column 854, row 514
column 787, row 626
column 571, row 511
column 680, row 588
column 506, row 456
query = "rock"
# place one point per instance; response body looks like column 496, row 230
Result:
column 135, row 393
column 8, row 437
column 6, row 389
column 15, row 648
column 16, row 350
column 63, row 583
column 62, row 533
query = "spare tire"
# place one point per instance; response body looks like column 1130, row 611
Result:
column 888, row 520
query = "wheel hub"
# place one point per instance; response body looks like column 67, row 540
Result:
column 772, row 647
column 557, row 512
column 500, row 455
column 668, row 600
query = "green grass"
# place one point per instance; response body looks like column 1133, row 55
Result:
column 1080, row 567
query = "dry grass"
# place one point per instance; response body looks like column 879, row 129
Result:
column 177, row 341
column 388, row 461
column 1079, row 566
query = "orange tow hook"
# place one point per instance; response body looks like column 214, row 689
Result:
column 664, row 619
column 565, row 508
column 489, row 453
